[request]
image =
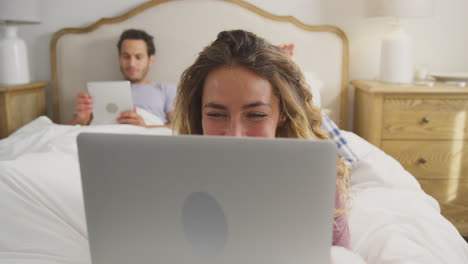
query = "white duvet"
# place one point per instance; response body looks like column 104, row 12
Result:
column 42, row 219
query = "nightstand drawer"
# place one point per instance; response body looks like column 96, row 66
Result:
column 451, row 195
column 446, row 191
column 408, row 118
column 431, row 159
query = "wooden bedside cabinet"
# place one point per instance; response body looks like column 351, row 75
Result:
column 20, row 104
column 426, row 130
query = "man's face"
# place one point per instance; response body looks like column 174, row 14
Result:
column 134, row 60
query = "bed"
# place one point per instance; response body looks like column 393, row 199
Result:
column 41, row 205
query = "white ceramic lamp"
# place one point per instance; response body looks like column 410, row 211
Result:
column 14, row 66
column 396, row 55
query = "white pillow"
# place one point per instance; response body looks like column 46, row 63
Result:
column 315, row 87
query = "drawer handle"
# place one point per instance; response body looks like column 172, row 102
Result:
column 422, row 161
column 425, row 120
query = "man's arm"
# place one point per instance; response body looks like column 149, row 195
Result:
column 133, row 118
column 170, row 94
column 78, row 121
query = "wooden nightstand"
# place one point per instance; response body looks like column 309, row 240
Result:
column 20, row 104
column 426, row 130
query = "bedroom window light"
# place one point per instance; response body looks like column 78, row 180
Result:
column 14, row 67
column 396, row 54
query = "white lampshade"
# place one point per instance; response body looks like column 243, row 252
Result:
column 396, row 57
column 14, row 66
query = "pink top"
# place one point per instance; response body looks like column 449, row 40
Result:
column 341, row 235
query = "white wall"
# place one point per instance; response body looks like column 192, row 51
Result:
column 441, row 42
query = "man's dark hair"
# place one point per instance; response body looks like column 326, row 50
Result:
column 138, row 34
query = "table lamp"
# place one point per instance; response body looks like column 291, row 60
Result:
column 396, row 54
column 14, row 67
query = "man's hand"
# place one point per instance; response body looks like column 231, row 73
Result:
column 131, row 118
column 83, row 109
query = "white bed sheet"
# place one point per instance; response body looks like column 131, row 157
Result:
column 392, row 220
column 42, row 218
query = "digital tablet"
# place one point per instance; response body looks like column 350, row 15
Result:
column 109, row 100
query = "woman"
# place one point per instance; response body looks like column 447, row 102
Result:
column 241, row 85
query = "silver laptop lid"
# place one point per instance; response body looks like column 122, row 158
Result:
column 195, row 199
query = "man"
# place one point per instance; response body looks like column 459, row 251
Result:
column 136, row 55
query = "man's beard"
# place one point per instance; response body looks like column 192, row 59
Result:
column 135, row 80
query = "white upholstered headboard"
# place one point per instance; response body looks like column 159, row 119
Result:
column 181, row 29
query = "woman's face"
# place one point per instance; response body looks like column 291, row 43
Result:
column 237, row 102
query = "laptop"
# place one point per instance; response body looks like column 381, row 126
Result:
column 196, row 199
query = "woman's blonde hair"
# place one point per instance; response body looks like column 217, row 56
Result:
column 245, row 49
